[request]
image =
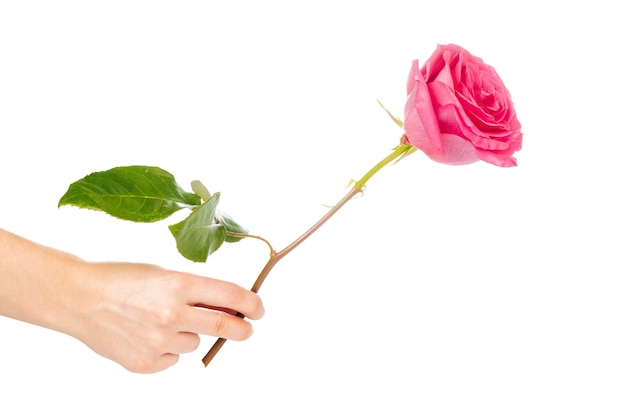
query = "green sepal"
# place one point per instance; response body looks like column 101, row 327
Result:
column 132, row 193
column 393, row 117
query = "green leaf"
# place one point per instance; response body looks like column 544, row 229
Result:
column 230, row 225
column 133, row 193
column 199, row 188
column 198, row 235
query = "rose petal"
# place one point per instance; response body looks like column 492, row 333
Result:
column 420, row 122
column 496, row 159
column 455, row 121
column 459, row 151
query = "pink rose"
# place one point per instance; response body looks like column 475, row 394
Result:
column 458, row 110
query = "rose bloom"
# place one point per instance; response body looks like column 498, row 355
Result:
column 458, row 110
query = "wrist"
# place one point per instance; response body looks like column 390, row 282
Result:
column 64, row 296
column 40, row 285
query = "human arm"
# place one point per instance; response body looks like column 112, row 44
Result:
column 139, row 315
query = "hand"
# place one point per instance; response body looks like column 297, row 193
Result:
column 138, row 315
column 144, row 317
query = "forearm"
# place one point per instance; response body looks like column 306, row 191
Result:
column 37, row 283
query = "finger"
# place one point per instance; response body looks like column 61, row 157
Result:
column 183, row 342
column 155, row 365
column 165, row 361
column 217, row 324
column 222, row 294
column 221, row 309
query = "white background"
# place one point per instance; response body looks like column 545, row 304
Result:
column 440, row 287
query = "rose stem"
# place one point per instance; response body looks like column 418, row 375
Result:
column 397, row 153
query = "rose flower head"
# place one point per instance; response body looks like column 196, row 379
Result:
column 458, row 110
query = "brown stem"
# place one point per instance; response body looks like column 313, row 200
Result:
column 277, row 256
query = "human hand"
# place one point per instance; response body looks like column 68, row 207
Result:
column 143, row 317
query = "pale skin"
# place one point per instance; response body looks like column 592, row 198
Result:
column 138, row 315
